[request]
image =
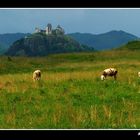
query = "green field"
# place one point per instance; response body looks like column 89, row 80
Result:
column 70, row 94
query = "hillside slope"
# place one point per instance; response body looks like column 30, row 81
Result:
column 132, row 45
column 39, row 44
column 7, row 39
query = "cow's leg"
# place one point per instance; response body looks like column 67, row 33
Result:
column 115, row 77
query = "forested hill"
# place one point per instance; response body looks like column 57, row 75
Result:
column 39, row 44
column 7, row 39
column 132, row 45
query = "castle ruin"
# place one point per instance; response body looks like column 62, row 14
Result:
column 49, row 30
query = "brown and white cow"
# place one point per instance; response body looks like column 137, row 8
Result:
column 109, row 72
column 36, row 75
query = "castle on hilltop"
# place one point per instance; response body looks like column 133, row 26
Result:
column 49, row 30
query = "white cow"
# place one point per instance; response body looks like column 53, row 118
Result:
column 109, row 72
column 36, row 75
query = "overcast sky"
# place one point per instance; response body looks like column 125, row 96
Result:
column 93, row 20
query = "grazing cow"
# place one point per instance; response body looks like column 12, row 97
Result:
column 36, row 75
column 109, row 72
column 138, row 74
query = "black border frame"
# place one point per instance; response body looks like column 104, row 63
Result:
column 20, row 134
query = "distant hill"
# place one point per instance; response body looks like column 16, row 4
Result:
column 7, row 39
column 104, row 41
column 132, row 45
column 40, row 44
column 3, row 48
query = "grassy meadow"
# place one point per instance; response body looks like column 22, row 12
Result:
column 70, row 94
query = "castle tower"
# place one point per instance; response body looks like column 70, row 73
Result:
column 49, row 29
column 59, row 30
column 37, row 30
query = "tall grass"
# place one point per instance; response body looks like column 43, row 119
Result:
column 70, row 93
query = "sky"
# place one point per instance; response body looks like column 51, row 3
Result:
column 83, row 20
